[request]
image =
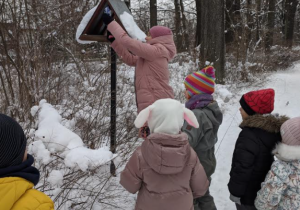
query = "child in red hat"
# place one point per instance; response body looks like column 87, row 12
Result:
column 252, row 156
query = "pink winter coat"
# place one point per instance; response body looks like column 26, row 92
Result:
column 151, row 62
column 166, row 172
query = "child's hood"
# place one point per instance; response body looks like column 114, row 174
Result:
column 268, row 122
column 168, row 42
column 268, row 127
column 11, row 190
column 287, row 153
column 17, row 193
column 166, row 154
column 214, row 113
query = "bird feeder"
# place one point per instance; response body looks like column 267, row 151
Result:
column 95, row 30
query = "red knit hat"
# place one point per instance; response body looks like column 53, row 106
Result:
column 157, row 31
column 258, row 102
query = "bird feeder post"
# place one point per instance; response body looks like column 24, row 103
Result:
column 95, row 30
column 113, row 107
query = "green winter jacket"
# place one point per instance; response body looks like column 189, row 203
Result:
column 204, row 138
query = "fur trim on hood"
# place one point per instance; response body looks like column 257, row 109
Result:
column 287, row 152
column 268, row 122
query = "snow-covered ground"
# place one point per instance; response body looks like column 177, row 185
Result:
column 287, row 101
column 51, row 138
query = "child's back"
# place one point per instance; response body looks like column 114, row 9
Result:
column 281, row 188
column 164, row 166
column 203, row 139
column 164, row 169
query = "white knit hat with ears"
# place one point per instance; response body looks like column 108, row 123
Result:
column 166, row 116
column 289, row 148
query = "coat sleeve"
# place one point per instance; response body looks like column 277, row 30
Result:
column 124, row 54
column 245, row 152
column 143, row 50
column 269, row 196
column 194, row 134
column 131, row 177
column 199, row 182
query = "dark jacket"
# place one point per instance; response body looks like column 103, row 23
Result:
column 204, row 138
column 252, row 156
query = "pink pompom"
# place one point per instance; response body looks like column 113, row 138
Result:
column 209, row 71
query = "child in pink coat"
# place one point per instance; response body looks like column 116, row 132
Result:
column 165, row 170
column 150, row 60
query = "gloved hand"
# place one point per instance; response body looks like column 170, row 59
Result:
column 110, row 37
column 107, row 19
column 235, row 199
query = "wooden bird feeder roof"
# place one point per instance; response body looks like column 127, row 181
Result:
column 95, row 29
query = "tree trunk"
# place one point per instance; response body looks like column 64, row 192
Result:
column 290, row 11
column 212, row 36
column 270, row 24
column 185, row 32
column 258, row 19
column 250, row 23
column 153, row 13
column 178, row 33
column 198, row 29
column 232, row 19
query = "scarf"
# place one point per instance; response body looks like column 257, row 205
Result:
column 199, row 101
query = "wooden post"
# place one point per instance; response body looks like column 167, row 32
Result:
column 113, row 111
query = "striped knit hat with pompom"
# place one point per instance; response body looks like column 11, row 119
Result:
column 12, row 142
column 201, row 82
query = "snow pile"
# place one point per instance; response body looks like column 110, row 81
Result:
column 53, row 137
column 223, row 93
column 131, row 27
column 52, row 133
column 83, row 24
column 84, row 157
column 40, row 152
column 56, row 178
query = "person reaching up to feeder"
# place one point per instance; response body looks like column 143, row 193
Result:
column 150, row 60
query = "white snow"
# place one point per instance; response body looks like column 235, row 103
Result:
column 131, row 27
column 34, row 110
column 127, row 20
column 56, row 178
column 38, row 149
column 84, row 158
column 85, row 20
column 54, row 136
column 223, row 93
